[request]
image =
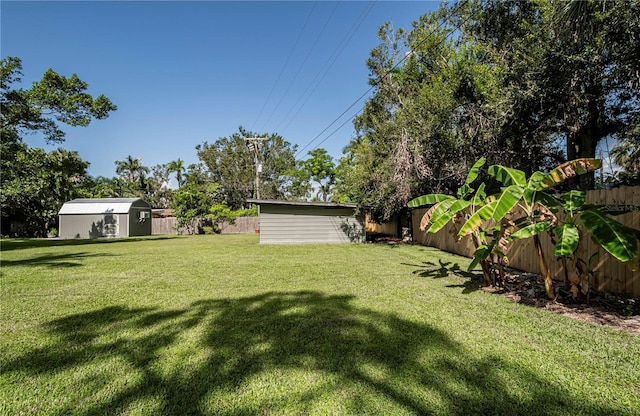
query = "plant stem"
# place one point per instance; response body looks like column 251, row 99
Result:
column 544, row 270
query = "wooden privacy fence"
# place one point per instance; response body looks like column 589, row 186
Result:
column 243, row 225
column 389, row 228
column 609, row 274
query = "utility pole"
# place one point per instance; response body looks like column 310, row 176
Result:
column 255, row 142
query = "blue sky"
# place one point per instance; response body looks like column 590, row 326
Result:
column 182, row 73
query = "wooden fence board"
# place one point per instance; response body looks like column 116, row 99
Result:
column 610, row 275
column 243, row 225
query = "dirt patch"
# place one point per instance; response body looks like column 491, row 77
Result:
column 600, row 307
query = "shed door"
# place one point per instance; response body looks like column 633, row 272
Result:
column 111, row 225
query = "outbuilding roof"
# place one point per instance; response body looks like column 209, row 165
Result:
column 99, row 206
column 302, row 203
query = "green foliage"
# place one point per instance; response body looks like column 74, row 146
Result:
column 131, row 170
column 472, row 210
column 177, row 167
column 231, row 164
column 317, row 172
column 618, row 240
column 55, row 98
column 219, row 213
column 568, row 240
column 34, row 183
column 193, row 201
column 537, row 216
column 248, row 212
column 515, row 82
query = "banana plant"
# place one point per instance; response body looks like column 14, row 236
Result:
column 460, row 208
column 540, row 210
column 617, row 239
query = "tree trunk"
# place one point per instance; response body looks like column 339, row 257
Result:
column 583, row 142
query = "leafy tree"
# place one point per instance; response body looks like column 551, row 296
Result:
column 193, row 201
column 421, row 130
column 318, row 172
column 35, row 187
column 103, row 187
column 627, row 156
column 34, row 184
column 52, row 100
column 231, row 164
column 197, row 173
column 579, row 60
column 513, row 82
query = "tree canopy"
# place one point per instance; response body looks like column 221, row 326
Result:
column 52, row 100
column 230, row 163
column 523, row 84
column 35, row 183
column 316, row 175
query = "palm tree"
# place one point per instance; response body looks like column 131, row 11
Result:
column 177, row 166
column 131, row 170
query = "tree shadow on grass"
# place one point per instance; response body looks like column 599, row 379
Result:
column 57, row 260
column 23, row 243
column 279, row 352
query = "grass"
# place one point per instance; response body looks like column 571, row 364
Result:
column 220, row 325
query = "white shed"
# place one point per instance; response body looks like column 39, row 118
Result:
column 309, row 222
column 104, row 217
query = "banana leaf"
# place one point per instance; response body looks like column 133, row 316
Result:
column 531, row 230
column 535, row 181
column 617, row 239
column 508, row 176
column 441, row 209
column 573, row 200
column 429, row 199
column 479, row 197
column 475, row 221
column 473, row 173
column 570, row 169
column 463, row 191
column 568, row 239
column 506, row 201
column 442, row 220
column 481, row 253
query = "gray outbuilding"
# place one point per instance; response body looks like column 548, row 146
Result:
column 284, row 222
column 104, row 217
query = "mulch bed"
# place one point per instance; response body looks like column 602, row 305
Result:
column 600, row 307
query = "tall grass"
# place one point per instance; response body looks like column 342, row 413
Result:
column 221, row 325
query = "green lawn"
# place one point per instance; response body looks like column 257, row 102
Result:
column 220, row 325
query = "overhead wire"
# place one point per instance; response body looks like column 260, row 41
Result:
column 371, row 88
column 315, row 83
column 286, row 62
column 295, row 77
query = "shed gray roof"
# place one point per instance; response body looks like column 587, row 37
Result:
column 99, row 206
column 302, row 203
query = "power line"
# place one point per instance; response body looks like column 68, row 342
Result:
column 373, row 86
column 327, row 66
column 286, row 62
column 301, row 65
